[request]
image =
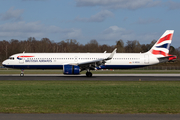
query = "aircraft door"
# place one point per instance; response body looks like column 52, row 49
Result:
column 21, row 60
column 146, row 59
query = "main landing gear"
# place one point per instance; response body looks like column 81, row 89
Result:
column 22, row 73
column 88, row 74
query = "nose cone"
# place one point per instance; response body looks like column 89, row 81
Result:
column 4, row 63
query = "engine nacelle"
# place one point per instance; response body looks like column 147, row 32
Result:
column 71, row 69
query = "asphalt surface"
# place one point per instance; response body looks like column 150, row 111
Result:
column 89, row 117
column 95, row 77
column 99, row 77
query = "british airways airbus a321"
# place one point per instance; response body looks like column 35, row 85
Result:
column 74, row 63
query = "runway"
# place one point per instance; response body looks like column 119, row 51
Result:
column 89, row 116
column 96, row 77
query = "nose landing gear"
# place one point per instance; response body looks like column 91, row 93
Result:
column 22, row 73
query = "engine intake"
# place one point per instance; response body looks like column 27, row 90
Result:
column 71, row 69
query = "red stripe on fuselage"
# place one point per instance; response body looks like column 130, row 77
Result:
column 165, row 38
column 25, row 56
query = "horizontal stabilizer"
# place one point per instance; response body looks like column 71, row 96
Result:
column 168, row 58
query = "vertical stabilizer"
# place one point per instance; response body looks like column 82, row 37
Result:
column 161, row 47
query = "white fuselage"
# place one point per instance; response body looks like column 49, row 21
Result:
column 57, row 60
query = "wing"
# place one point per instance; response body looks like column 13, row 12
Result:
column 94, row 63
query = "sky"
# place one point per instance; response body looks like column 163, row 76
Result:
column 106, row 21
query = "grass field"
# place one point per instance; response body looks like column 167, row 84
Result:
column 89, row 97
column 17, row 71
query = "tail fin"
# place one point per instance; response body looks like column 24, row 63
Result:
column 161, row 47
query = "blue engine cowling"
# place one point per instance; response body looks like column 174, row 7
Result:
column 71, row 69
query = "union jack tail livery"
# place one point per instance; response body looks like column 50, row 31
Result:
column 161, row 47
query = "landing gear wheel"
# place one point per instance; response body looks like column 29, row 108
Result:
column 88, row 74
column 22, row 74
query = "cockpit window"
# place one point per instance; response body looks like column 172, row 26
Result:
column 11, row 58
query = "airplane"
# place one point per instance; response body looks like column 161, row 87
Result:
column 74, row 63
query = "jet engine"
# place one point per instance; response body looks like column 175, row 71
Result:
column 71, row 69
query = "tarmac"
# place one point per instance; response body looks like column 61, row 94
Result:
column 89, row 116
column 99, row 77
column 93, row 75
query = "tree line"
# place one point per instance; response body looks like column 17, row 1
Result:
column 45, row 45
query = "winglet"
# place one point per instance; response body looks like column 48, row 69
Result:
column 111, row 55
